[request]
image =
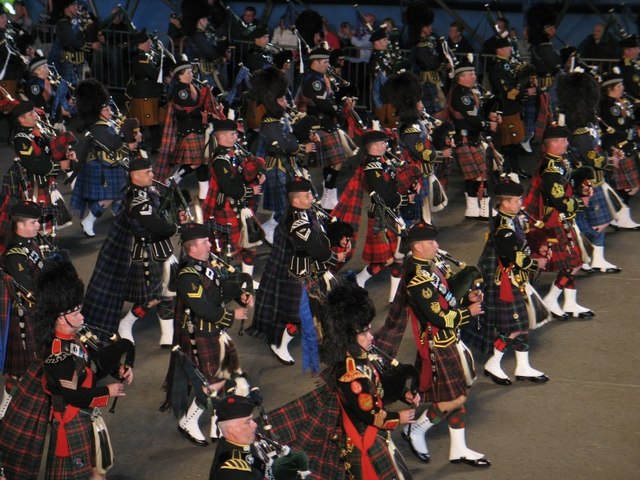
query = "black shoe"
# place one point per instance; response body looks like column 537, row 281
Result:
column 613, row 269
column 191, row 438
column 423, row 457
column 481, row 462
column 562, row 318
column 588, row 314
column 496, row 379
column 539, row 379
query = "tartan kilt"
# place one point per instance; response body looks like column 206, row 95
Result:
column 597, row 212
column 510, row 131
column 450, row 383
column 274, row 196
column 227, row 217
column 189, row 150
column 530, row 113
column 146, row 110
column 278, row 298
column 626, row 176
column 564, row 255
column 97, row 181
column 330, row 151
column 380, row 458
column 71, row 72
column 79, row 465
column 432, row 97
column 24, row 427
column 378, row 247
column 472, row 162
column 208, row 359
column 20, row 357
column 141, row 290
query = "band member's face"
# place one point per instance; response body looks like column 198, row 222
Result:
column 427, row 30
column 425, row 249
column 504, row 52
column 365, row 339
column 72, row 9
column 106, row 112
column 302, row 200
column 28, row 228
column 249, row 16
column 467, row 79
column 73, row 320
column 42, row 72
column 227, row 138
column 200, row 249
column 186, row 76
column 321, row 66
column 511, row 205
column 28, row 119
column 381, row 44
column 631, row 52
column 145, row 46
column 245, row 430
column 142, row 178
column 262, row 41
column 282, row 102
column 557, row 146
column 550, row 30
column 616, row 90
column 377, row 148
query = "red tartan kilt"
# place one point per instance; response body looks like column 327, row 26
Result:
column 471, row 161
column 227, row 217
column 510, row 130
column 81, row 446
column 564, row 255
column 208, row 359
column 330, row 151
column 146, row 110
column 626, row 176
column 190, row 150
column 378, row 247
column 450, row 382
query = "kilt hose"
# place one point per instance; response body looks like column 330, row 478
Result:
column 380, row 246
column 472, row 162
column 510, row 131
column 24, row 427
column 626, row 176
column 79, row 465
column 450, row 382
column 278, row 298
column 146, row 110
column 330, row 150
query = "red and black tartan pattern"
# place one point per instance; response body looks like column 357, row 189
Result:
column 330, row 151
column 472, row 162
column 544, row 117
column 60, row 144
column 379, row 246
column 5, row 219
column 278, row 298
column 79, row 465
column 189, row 151
column 224, row 216
column 389, row 336
column 106, row 291
column 349, row 208
column 208, row 359
column 164, row 165
column 18, row 356
column 627, row 175
column 24, row 427
column 450, row 383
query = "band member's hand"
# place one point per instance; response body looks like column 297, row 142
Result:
column 342, row 256
column 247, row 299
column 262, row 178
column 476, row 295
column 542, row 263
column 214, row 387
column 412, row 398
column 348, row 102
column 183, row 216
column 476, row 309
column 65, row 113
column 240, row 313
column 531, row 91
column 116, row 390
column 126, row 373
column 71, row 155
column 631, row 192
column 311, row 146
column 447, row 152
column 494, row 117
column 96, row 45
column 407, row 416
column 257, row 190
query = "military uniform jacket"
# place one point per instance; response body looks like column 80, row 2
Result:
column 23, row 260
column 69, row 34
column 312, row 249
column 187, row 109
column 428, row 56
column 379, row 177
column 511, row 247
column 467, row 114
column 7, row 57
column 505, row 84
column 107, row 146
column 361, row 394
column 278, row 136
column 584, row 141
column 144, row 77
column 236, row 462
column 380, row 63
column 258, row 59
column 433, row 304
column 40, row 92
column 417, row 145
column 620, row 123
column 34, row 152
column 545, row 59
column 228, row 172
column 555, row 173
column 202, row 290
column 149, row 228
column 316, row 89
column 630, row 70
column 203, row 47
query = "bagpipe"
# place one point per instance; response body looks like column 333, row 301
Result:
column 396, row 378
column 173, row 200
column 64, row 92
column 467, row 278
column 386, row 217
column 210, row 103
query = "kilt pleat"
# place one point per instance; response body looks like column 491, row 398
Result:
column 450, row 383
column 189, row 150
column 96, row 182
column 626, row 176
column 330, row 151
column 379, row 247
column 20, row 357
column 274, row 189
column 471, row 161
column 140, row 288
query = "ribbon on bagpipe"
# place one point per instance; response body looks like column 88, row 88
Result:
column 355, row 125
column 242, row 78
column 210, row 105
column 61, row 100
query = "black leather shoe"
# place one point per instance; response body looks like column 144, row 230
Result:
column 588, row 314
column 191, row 438
column 423, row 457
column 539, row 379
column 498, row 380
column 563, row 317
column 607, row 270
column 481, row 462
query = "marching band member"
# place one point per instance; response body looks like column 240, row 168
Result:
column 53, row 98
column 381, row 65
column 259, row 57
column 437, row 316
column 552, row 197
column 102, row 176
column 70, row 42
column 630, row 67
column 471, row 121
column 203, row 293
column 11, row 65
column 506, row 264
column 231, row 191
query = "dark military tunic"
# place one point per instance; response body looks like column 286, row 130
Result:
column 40, row 93
column 70, row 40
column 546, row 61
column 144, row 89
column 312, row 249
column 505, row 84
column 258, row 59
column 630, row 70
column 429, row 59
column 236, row 462
column 34, row 151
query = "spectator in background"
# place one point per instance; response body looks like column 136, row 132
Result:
column 283, row 36
column 331, row 37
column 599, row 44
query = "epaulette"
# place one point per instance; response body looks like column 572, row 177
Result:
column 57, row 358
column 238, row 464
column 506, row 223
column 373, row 166
column 421, row 278
column 582, row 131
column 188, row 270
column 101, row 122
column 411, row 129
column 552, row 167
column 17, row 251
column 352, row 372
column 300, row 223
column 140, row 197
column 300, row 215
column 270, row 120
